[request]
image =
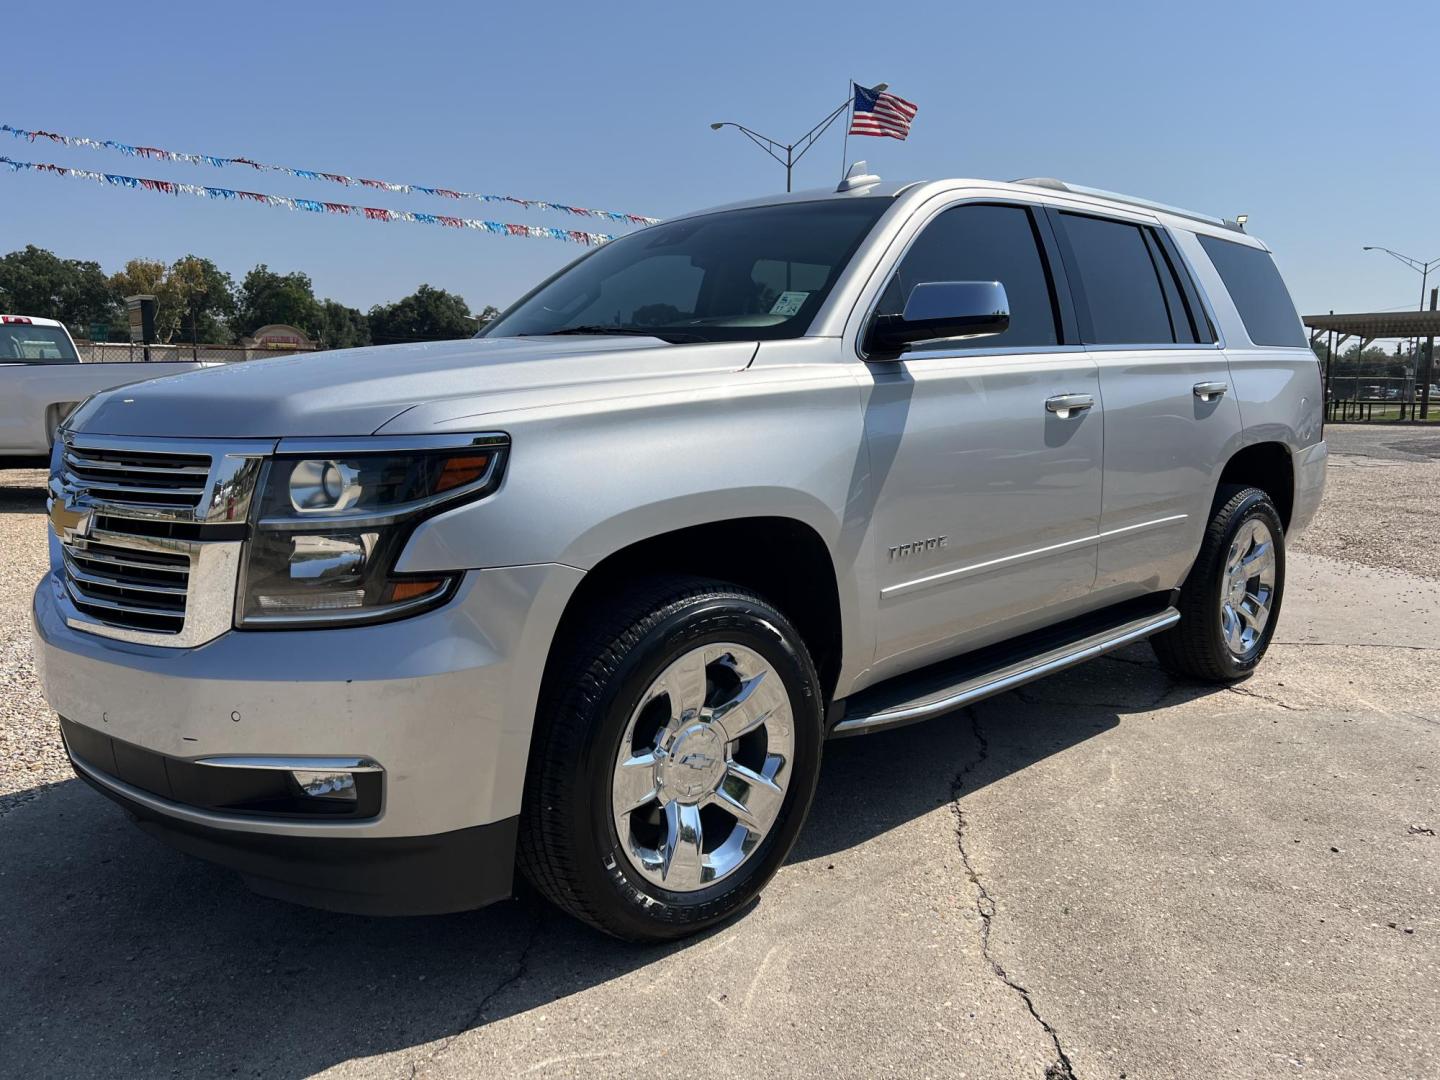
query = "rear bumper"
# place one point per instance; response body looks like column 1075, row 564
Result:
column 390, row 875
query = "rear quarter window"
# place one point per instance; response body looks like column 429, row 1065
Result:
column 1259, row 293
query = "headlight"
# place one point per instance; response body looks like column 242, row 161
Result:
column 333, row 517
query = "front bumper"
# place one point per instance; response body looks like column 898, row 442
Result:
column 442, row 702
column 383, row 875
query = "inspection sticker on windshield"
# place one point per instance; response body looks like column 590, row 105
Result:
column 789, row 303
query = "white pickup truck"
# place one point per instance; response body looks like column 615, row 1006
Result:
column 42, row 379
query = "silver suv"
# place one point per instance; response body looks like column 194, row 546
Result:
column 587, row 595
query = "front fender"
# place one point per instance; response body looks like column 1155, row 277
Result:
column 588, row 480
column 585, row 480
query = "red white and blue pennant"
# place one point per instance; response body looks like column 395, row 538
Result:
column 155, row 153
column 371, row 213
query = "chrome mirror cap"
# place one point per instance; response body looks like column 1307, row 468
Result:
column 943, row 310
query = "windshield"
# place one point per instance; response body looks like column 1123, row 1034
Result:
column 20, row 343
column 736, row 275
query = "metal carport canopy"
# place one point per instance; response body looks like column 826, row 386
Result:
column 1377, row 324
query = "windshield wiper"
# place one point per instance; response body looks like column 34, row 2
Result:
column 630, row 331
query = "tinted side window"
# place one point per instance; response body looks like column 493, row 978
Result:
column 1118, row 287
column 1180, row 328
column 1199, row 320
column 983, row 243
column 1259, row 293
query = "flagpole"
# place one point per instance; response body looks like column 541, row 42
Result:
column 845, row 145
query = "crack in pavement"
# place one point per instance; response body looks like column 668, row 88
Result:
column 1116, row 658
column 1352, row 645
column 1243, row 692
column 522, row 967
column 1061, row 1068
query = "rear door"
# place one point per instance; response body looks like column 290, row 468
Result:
column 987, row 501
column 1171, row 418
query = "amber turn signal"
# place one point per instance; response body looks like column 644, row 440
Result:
column 410, row 588
column 463, row 470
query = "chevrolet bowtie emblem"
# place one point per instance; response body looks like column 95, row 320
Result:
column 68, row 522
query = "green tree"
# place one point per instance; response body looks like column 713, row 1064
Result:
column 489, row 315
column 267, row 297
column 342, row 327
column 146, row 277
column 194, row 298
column 204, row 299
column 428, row 315
column 1374, row 362
column 139, row 276
column 34, row 281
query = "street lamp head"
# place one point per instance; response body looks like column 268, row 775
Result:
column 717, row 127
column 1369, row 247
column 881, row 86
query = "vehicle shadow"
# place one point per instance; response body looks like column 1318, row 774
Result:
column 20, row 495
column 123, row 957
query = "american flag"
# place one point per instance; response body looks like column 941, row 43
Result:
column 879, row 113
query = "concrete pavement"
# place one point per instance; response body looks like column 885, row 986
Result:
column 1106, row 874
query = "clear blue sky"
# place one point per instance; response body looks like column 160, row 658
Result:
column 1317, row 119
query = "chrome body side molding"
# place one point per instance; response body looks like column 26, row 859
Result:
column 1005, row 560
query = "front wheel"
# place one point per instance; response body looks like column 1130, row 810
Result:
column 676, row 755
column 1230, row 602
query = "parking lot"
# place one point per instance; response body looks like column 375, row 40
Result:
column 1104, row 874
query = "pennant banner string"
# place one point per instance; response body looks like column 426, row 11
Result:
column 372, row 213
column 157, row 154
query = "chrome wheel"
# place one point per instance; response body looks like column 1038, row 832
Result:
column 703, row 767
column 1247, row 589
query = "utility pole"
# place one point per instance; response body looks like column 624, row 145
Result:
column 802, row 144
column 1429, row 364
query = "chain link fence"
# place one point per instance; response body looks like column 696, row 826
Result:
column 124, row 352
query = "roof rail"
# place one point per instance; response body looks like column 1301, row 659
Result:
column 1052, row 184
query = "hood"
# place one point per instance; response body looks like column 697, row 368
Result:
column 354, row 392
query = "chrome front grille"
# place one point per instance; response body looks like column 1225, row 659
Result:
column 138, row 477
column 150, row 534
column 143, row 589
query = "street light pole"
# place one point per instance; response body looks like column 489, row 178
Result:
column 1421, row 268
column 802, row 144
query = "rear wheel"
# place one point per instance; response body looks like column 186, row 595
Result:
column 676, row 755
column 1230, row 602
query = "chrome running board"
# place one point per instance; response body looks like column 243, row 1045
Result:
column 999, row 679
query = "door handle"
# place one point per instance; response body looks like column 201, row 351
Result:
column 1067, row 405
column 1209, row 391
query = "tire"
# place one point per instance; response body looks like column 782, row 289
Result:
column 1206, row 644
column 600, row 695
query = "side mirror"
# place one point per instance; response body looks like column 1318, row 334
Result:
column 942, row 309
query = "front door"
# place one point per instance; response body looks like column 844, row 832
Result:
column 985, row 454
